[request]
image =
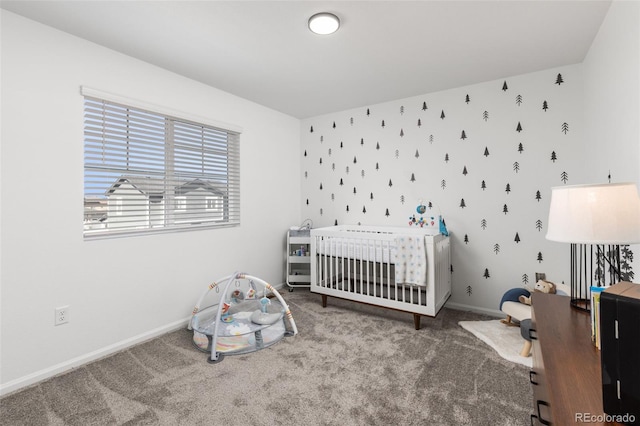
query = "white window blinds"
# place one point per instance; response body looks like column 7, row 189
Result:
column 150, row 172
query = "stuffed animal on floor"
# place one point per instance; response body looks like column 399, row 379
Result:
column 542, row 286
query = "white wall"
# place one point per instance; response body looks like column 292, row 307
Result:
column 126, row 289
column 612, row 101
column 612, row 97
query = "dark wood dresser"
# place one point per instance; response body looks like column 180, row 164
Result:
column 566, row 375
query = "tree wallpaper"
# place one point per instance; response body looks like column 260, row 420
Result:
column 484, row 157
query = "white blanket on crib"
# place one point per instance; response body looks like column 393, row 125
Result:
column 411, row 260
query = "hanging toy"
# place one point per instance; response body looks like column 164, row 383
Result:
column 251, row 293
column 264, row 302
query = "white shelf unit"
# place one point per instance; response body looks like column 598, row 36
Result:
column 298, row 258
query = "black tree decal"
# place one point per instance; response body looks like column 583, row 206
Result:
column 626, row 260
column 504, row 86
column 545, row 106
column 559, row 79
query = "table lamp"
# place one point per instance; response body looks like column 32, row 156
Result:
column 601, row 217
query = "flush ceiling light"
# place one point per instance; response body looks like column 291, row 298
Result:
column 324, row 23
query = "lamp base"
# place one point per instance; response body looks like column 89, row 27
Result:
column 582, row 305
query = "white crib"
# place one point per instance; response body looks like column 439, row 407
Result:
column 358, row 263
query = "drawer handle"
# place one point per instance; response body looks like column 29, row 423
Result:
column 546, row 404
column 531, row 335
column 533, row 416
column 531, row 374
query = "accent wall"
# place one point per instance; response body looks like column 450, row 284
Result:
column 484, row 157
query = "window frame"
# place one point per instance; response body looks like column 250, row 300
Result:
column 185, row 159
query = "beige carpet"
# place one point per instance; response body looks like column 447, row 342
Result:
column 506, row 340
column 350, row 364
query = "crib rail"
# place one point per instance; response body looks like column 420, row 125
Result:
column 358, row 263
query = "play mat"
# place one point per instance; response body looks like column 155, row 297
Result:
column 247, row 315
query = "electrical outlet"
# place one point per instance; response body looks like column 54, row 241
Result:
column 62, row 315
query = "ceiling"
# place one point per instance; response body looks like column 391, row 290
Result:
column 385, row 50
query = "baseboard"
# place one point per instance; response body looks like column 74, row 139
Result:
column 462, row 307
column 63, row 367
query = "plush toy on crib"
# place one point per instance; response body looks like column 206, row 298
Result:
column 542, row 286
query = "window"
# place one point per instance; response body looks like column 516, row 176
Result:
column 147, row 171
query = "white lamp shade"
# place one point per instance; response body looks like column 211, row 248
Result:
column 595, row 214
column 324, row 23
